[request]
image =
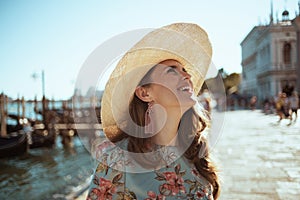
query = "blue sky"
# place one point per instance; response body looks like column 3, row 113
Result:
column 58, row 35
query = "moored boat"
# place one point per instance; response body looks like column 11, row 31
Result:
column 13, row 140
column 13, row 145
column 42, row 138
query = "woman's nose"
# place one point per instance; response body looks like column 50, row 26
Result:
column 186, row 75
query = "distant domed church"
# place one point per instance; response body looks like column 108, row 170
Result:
column 271, row 58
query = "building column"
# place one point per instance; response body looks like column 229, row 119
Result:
column 279, row 89
column 273, row 91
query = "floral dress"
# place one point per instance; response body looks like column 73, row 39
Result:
column 116, row 177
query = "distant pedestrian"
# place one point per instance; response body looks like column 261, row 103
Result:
column 294, row 100
column 278, row 102
column 283, row 107
column 267, row 106
column 253, row 101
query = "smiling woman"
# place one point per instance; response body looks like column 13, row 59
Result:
column 154, row 146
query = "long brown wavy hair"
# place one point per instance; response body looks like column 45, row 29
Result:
column 190, row 129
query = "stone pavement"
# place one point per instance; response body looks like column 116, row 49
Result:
column 258, row 158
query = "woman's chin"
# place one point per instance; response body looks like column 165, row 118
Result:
column 187, row 105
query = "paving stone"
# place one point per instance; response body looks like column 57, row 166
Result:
column 294, row 173
column 258, row 158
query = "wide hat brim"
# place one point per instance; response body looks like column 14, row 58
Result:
column 185, row 42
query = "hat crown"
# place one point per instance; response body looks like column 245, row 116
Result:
column 177, row 31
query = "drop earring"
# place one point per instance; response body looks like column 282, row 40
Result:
column 149, row 123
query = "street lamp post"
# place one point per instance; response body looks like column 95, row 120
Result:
column 35, row 76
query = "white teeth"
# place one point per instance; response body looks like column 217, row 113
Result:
column 185, row 88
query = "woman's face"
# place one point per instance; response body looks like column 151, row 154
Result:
column 171, row 86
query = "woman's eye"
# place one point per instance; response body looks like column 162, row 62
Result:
column 171, row 69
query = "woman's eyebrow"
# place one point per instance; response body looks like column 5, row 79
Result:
column 178, row 67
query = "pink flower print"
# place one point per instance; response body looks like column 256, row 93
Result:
column 199, row 194
column 107, row 186
column 105, row 190
column 174, row 184
column 153, row 196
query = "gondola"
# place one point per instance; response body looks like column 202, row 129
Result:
column 41, row 137
column 13, row 140
column 13, row 145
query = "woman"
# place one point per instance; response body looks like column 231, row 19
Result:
column 154, row 146
column 283, row 106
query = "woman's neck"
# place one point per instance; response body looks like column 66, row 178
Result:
column 168, row 134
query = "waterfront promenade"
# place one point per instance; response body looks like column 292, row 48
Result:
column 259, row 159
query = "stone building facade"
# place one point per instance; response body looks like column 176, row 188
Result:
column 270, row 59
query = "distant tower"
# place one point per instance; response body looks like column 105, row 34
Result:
column 271, row 14
column 285, row 15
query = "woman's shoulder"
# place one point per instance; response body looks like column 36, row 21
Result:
column 103, row 148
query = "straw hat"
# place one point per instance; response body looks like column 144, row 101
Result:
column 185, row 42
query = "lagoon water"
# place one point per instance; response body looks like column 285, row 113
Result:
column 45, row 173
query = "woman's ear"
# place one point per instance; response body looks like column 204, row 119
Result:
column 143, row 94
